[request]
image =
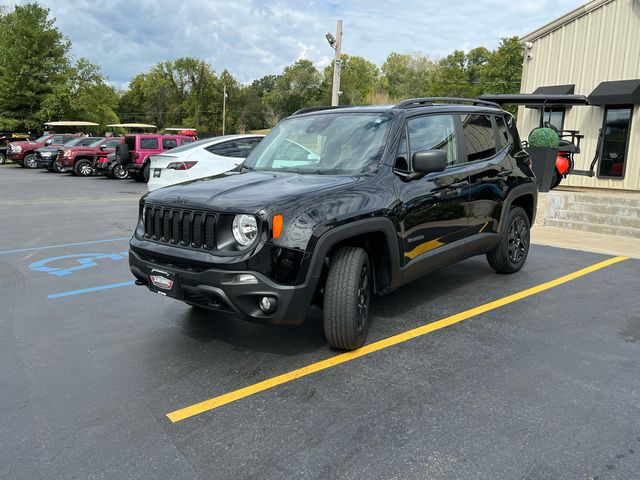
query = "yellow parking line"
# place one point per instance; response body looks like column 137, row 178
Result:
column 230, row 397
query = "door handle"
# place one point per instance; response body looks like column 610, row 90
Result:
column 463, row 183
column 505, row 173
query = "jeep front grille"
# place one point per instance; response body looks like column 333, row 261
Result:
column 180, row 227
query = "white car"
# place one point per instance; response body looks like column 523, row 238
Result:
column 200, row 159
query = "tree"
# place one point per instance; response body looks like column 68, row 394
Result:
column 358, row 81
column 504, row 69
column 407, row 75
column 33, row 61
column 297, row 87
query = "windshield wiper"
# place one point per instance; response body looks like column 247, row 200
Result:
column 251, row 169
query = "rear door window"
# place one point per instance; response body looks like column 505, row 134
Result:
column 169, row 143
column 240, row 148
column 479, row 140
column 148, row 144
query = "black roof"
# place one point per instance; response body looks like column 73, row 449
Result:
column 431, row 103
column 568, row 89
column 536, row 99
column 621, row 92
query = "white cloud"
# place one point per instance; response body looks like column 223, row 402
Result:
column 252, row 38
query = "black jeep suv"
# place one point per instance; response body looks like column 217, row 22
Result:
column 337, row 204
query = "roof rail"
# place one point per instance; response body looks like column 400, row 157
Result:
column 419, row 102
column 317, row 109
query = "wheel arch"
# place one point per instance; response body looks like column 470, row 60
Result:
column 377, row 236
column 525, row 196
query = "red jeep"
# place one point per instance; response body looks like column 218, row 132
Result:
column 136, row 149
column 24, row 152
column 80, row 159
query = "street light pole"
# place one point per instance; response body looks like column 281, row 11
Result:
column 337, row 65
column 224, row 106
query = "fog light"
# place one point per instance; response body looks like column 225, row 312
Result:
column 244, row 278
column 268, row 304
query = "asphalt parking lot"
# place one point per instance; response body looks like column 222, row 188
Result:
column 542, row 385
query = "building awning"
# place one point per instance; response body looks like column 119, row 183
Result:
column 568, row 89
column 621, row 92
column 536, row 100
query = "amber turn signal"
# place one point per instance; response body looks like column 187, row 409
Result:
column 277, row 225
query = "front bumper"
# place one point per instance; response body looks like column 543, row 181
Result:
column 16, row 157
column 214, row 289
column 67, row 162
column 45, row 162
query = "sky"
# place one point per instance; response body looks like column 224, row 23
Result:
column 252, row 38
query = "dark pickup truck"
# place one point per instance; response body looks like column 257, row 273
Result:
column 388, row 194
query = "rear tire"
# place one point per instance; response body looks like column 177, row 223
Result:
column 347, row 294
column 30, row 161
column 119, row 172
column 555, row 181
column 83, row 168
column 512, row 250
column 146, row 172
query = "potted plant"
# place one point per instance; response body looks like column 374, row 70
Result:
column 543, row 150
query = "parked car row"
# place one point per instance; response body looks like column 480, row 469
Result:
column 158, row 159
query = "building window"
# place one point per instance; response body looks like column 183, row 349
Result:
column 553, row 118
column 615, row 141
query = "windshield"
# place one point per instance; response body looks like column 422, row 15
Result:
column 96, row 141
column 324, row 143
column 73, row 142
column 42, row 138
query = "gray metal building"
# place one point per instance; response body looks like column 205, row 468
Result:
column 595, row 51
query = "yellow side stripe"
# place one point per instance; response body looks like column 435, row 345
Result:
column 235, row 395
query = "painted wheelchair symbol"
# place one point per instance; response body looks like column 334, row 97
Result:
column 64, row 265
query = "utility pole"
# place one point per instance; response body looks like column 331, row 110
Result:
column 337, row 64
column 224, row 107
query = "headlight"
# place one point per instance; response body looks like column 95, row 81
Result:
column 245, row 229
column 66, row 153
column 16, row 148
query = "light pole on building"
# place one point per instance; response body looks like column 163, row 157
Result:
column 336, row 44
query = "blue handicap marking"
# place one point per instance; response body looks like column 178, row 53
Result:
column 62, row 265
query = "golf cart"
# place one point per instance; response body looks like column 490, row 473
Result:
column 569, row 139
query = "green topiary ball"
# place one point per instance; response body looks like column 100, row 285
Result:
column 544, row 137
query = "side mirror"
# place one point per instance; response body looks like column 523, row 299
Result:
column 102, row 147
column 48, row 142
column 429, row 161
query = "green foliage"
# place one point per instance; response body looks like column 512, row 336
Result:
column 33, row 63
column 544, row 137
column 39, row 82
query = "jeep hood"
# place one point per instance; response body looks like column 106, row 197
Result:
column 247, row 192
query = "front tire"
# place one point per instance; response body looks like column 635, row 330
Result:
column 512, row 250
column 347, row 294
column 3, row 159
column 30, row 161
column 55, row 167
column 83, row 168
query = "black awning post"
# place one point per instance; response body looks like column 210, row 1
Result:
column 620, row 92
